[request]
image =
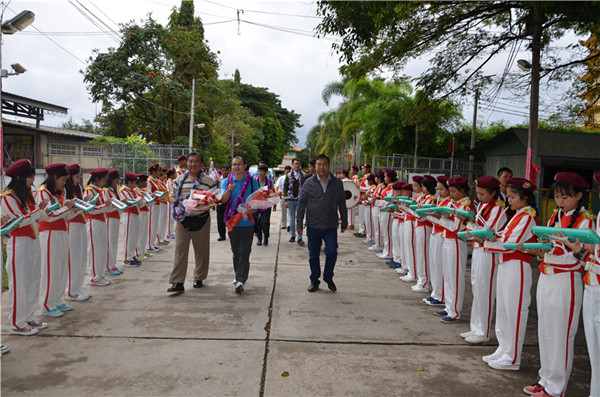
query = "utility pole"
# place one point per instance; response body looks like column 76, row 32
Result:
column 192, row 117
column 536, row 45
column 416, row 147
column 473, row 134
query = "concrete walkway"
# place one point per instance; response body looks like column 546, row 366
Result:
column 374, row 337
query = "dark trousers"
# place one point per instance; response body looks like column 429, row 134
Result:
column 315, row 238
column 262, row 223
column 221, row 220
column 240, row 239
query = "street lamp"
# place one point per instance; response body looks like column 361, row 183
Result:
column 18, row 69
column 18, row 22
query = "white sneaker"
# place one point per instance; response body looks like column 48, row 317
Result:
column 465, row 335
column 100, row 282
column 490, row 357
column 408, row 279
column 384, row 256
column 367, row 241
column 503, row 365
column 37, row 324
column 25, row 331
column 401, row 270
column 375, row 247
column 476, row 339
column 420, row 289
column 77, row 296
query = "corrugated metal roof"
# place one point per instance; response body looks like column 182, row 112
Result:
column 50, row 130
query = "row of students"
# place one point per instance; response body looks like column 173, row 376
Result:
column 428, row 252
column 48, row 251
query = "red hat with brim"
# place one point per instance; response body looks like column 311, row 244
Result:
column 366, row 165
column 131, row 176
column 572, row 178
column 443, row 179
column 429, row 178
column 142, row 177
column 397, row 185
column 99, row 171
column 57, row 168
column 597, row 177
column 170, row 170
column 18, row 167
column 488, row 182
column 417, row 178
column 73, row 169
column 114, row 172
column 458, row 181
column 344, row 171
column 521, row 183
column 153, row 166
column 407, row 186
column 182, row 157
column 355, row 168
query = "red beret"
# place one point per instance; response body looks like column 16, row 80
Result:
column 521, row 183
column 131, row 176
column 417, row 178
column 380, row 174
column 164, row 170
column 407, row 186
column 344, row 171
column 597, row 177
column 397, row 185
column 74, row 169
column 366, row 165
column 152, row 166
column 487, row 182
column 182, row 157
column 429, row 178
column 56, row 168
column 18, row 167
column 355, row 168
column 572, row 178
column 170, row 170
column 99, row 171
column 113, row 172
column 458, row 181
column 443, row 179
column 391, row 173
column 142, row 177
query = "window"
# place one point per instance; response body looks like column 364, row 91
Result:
column 57, row 148
column 92, row 150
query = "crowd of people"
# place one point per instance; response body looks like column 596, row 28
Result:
column 422, row 229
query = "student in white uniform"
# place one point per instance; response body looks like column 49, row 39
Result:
column 113, row 222
column 131, row 219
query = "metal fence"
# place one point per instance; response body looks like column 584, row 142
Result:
column 125, row 157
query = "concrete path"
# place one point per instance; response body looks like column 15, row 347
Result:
column 374, row 337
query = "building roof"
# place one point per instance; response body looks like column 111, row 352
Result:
column 551, row 143
column 49, row 130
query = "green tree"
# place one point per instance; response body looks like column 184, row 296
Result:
column 271, row 148
column 85, row 126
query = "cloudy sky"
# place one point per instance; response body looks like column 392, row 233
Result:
column 273, row 46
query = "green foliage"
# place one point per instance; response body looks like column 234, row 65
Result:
column 85, row 126
column 271, row 148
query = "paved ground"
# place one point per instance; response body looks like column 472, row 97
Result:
column 374, row 337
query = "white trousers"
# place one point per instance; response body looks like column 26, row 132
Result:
column 591, row 324
column 385, row 230
column 170, row 221
column 422, row 237
column 78, row 247
column 23, row 270
column 559, row 298
column 436, row 266
column 484, row 268
column 513, row 296
column 408, row 252
column 396, row 241
column 368, row 219
column 161, row 229
column 55, row 267
column 454, row 254
column 284, row 217
column 376, row 232
column 351, row 212
column 97, row 234
column 112, row 225
column 142, row 233
column 130, row 234
column 361, row 218
column 153, row 216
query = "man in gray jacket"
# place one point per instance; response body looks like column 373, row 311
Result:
column 324, row 201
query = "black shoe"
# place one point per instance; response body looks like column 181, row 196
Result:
column 176, row 287
column 301, row 242
column 288, row 228
column 266, row 241
column 259, row 242
column 331, row 285
column 292, row 239
column 239, row 289
column 283, row 227
column 197, row 283
column 132, row 263
column 221, row 239
column 313, row 287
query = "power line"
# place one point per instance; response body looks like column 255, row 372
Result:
column 103, row 13
column 264, row 12
column 94, row 22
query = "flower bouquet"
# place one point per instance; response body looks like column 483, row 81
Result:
column 259, row 200
column 200, row 200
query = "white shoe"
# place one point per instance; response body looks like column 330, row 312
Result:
column 384, row 256
column 25, row 331
column 491, row 357
column 367, row 241
column 408, row 279
column 100, row 282
column 375, row 247
column 503, row 365
column 402, row 271
column 476, row 339
column 465, row 335
column 419, row 289
column 37, row 324
column 77, row 296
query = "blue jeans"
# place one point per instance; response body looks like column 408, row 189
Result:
column 293, row 206
column 315, row 237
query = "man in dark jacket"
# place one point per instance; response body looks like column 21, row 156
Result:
column 324, row 201
column 292, row 187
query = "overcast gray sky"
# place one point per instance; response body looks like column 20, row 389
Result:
column 273, row 46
